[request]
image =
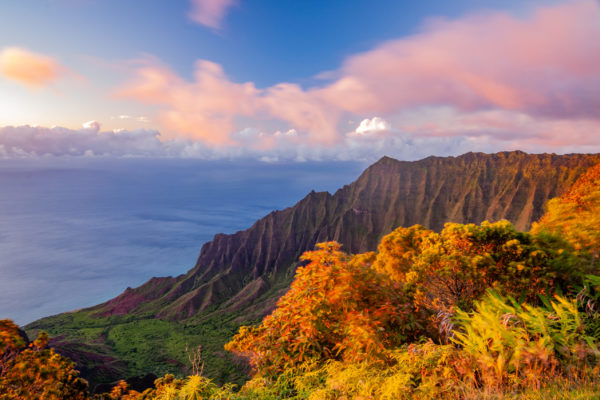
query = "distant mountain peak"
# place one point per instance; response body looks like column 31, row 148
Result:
column 386, row 160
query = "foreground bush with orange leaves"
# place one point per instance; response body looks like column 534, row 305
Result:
column 338, row 308
column 354, row 308
column 34, row 371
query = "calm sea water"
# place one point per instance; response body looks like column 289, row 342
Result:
column 76, row 233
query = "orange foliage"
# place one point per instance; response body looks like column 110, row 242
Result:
column 356, row 308
column 11, row 343
column 576, row 214
column 338, row 307
column 455, row 267
column 399, row 249
column 121, row 391
column 36, row 372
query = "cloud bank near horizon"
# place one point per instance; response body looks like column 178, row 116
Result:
column 370, row 140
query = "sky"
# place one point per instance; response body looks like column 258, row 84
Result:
column 297, row 80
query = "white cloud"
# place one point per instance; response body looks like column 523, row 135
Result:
column 124, row 117
column 269, row 159
column 279, row 146
column 30, row 141
column 289, row 132
column 370, row 126
column 91, row 125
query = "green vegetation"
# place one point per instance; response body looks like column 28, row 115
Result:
column 141, row 343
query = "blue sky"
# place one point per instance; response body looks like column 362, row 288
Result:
column 263, row 41
column 296, row 79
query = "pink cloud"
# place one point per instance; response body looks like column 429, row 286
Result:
column 205, row 109
column 544, row 68
column 547, row 64
column 201, row 110
column 505, row 126
column 210, row 12
column 32, row 69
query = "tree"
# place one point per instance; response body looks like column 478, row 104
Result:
column 11, row 343
column 576, row 215
column 455, row 267
column 338, row 307
column 36, row 371
column 398, row 250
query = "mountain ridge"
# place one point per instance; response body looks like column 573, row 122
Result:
column 387, row 194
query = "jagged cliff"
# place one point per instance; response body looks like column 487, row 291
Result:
column 234, row 271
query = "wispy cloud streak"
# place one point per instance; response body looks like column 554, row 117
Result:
column 210, row 13
column 367, row 142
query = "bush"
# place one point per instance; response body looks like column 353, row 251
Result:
column 522, row 345
column 35, row 371
column 338, row 308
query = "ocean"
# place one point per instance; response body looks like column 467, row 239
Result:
column 77, row 232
